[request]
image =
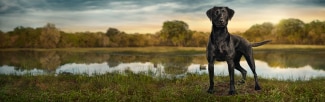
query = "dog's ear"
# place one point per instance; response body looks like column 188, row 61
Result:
column 209, row 13
column 230, row 13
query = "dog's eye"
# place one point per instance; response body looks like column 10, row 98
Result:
column 216, row 12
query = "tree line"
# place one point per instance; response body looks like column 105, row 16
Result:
column 173, row 33
column 288, row 31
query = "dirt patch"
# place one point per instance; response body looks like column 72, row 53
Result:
column 222, row 89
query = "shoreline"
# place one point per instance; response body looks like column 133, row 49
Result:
column 168, row 48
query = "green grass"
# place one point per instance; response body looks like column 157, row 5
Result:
column 141, row 87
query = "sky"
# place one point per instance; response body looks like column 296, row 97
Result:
column 147, row 16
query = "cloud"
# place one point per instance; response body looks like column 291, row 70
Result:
column 179, row 6
column 127, row 15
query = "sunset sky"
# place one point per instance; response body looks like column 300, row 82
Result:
column 147, row 16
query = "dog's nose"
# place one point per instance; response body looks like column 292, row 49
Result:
column 221, row 21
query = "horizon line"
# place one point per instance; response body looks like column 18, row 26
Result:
column 153, row 30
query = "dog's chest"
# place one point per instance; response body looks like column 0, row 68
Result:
column 220, row 56
column 223, row 52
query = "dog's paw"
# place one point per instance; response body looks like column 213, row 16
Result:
column 210, row 91
column 240, row 82
column 257, row 87
column 232, row 92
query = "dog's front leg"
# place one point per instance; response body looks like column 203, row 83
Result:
column 231, row 67
column 211, row 74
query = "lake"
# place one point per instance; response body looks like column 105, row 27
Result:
column 272, row 64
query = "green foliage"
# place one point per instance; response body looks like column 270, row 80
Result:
column 290, row 30
column 259, row 32
column 199, row 39
column 23, row 37
column 316, row 32
column 112, row 32
column 175, row 33
column 69, row 40
column 84, row 39
column 50, row 36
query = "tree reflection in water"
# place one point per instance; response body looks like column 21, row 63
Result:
column 51, row 61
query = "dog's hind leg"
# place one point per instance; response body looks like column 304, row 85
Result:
column 250, row 61
column 240, row 68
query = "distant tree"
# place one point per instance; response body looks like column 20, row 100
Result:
column 259, row 32
column 117, row 38
column 86, row 40
column 102, row 40
column 105, row 41
column 199, row 39
column 175, row 32
column 68, row 40
column 290, row 30
column 3, row 40
column 136, row 40
column 316, row 32
column 124, row 40
column 112, row 32
column 152, row 40
column 50, row 36
column 24, row 37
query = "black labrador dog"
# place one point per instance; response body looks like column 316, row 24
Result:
column 223, row 46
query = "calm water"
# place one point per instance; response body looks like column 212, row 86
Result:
column 278, row 64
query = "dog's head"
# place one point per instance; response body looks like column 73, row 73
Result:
column 220, row 16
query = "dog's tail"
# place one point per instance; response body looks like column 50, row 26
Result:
column 260, row 43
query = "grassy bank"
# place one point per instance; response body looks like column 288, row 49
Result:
column 141, row 87
column 166, row 49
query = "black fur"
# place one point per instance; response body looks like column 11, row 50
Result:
column 223, row 46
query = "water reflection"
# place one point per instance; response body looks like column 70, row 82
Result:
column 270, row 64
column 12, row 70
